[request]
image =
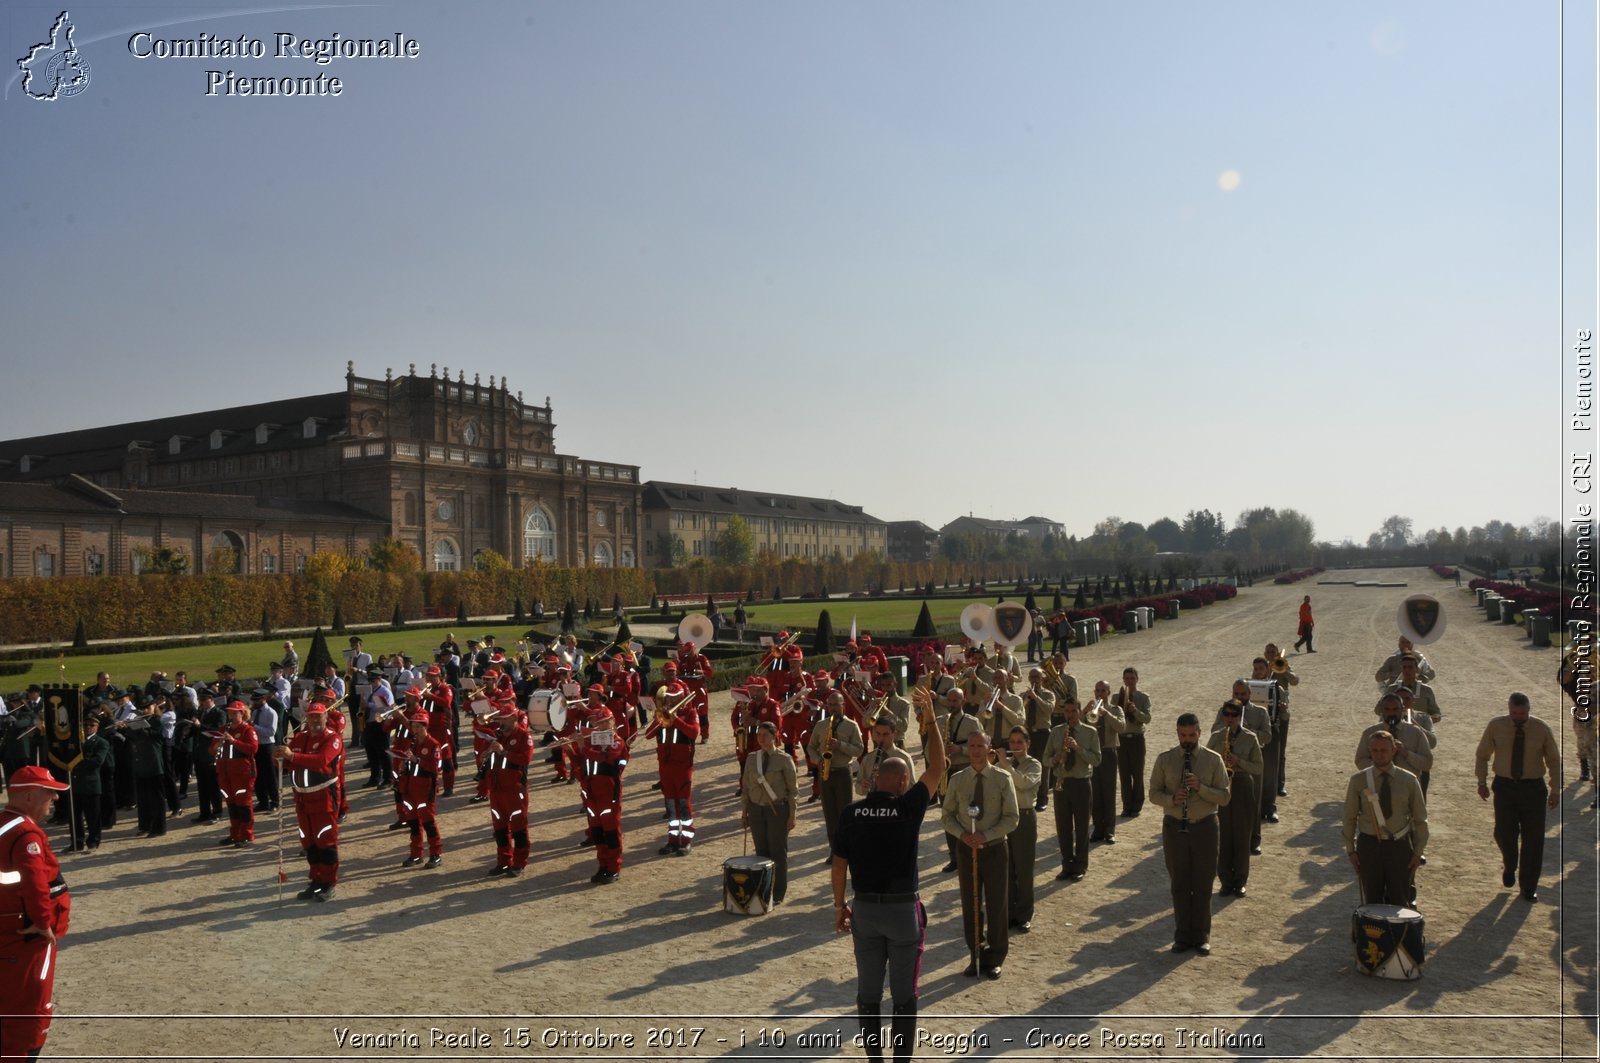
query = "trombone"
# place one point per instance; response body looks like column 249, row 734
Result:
column 663, row 716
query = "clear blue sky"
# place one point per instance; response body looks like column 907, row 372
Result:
column 927, row 257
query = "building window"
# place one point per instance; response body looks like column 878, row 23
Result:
column 44, row 562
column 269, row 562
column 602, row 555
column 94, row 563
column 446, row 558
column 600, row 518
column 136, row 562
column 627, row 558
column 539, row 535
column 411, row 509
column 300, row 562
column 697, row 545
column 647, row 522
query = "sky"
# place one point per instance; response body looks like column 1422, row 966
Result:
column 1070, row 259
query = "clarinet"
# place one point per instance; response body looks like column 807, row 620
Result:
column 1188, row 765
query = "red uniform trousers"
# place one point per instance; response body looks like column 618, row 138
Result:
column 602, row 804
column 702, row 705
column 416, row 795
column 508, row 811
column 28, row 964
column 237, row 777
column 676, row 762
column 317, row 814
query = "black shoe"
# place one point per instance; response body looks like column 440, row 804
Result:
column 1238, row 891
column 946, row 869
column 992, row 973
column 242, row 843
column 1508, row 878
column 307, row 894
column 1255, row 850
column 655, row 786
column 262, row 808
column 668, row 849
column 1096, row 838
column 1077, row 876
column 1063, row 875
column 1422, row 859
column 971, row 971
column 324, row 893
column 203, row 820
column 813, row 799
column 1530, row 895
column 224, row 842
column 604, row 878
column 1271, row 817
column 477, row 799
column 411, row 861
column 498, row 869
column 1025, row 927
column 682, row 850
column 1111, row 839
column 433, row 861
column 1204, row 948
column 587, row 843
column 397, row 825
column 1179, row 946
column 512, row 872
column 1039, row 806
column 1282, row 792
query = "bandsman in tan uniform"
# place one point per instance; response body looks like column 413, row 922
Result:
column 1039, row 710
column 1240, row 751
column 1023, row 842
column 835, row 742
column 1385, row 825
column 1072, row 751
column 1134, row 705
column 980, row 812
column 771, row 795
column 1189, row 783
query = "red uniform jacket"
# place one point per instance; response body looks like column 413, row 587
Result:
column 313, row 760
column 38, row 896
column 508, row 769
column 416, row 767
column 685, row 723
column 243, row 747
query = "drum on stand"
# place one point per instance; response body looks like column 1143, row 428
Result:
column 747, row 885
column 547, row 711
column 1389, row 941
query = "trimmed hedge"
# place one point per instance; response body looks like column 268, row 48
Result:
column 47, row 609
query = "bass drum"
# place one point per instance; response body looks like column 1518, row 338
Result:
column 1389, row 941
column 747, row 885
column 547, row 711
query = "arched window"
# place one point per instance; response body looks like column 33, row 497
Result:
column 602, row 555
column 446, row 558
column 539, row 535
column 627, row 557
column 227, row 554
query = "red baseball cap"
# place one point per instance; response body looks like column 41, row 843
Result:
column 34, row 776
column 688, row 646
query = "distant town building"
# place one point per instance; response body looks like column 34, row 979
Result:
column 1036, row 527
column 912, row 540
column 782, row 525
column 451, row 466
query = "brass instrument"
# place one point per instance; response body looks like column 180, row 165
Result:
column 774, row 652
column 1127, row 703
column 1053, row 674
column 663, row 717
column 1093, row 715
column 1227, row 749
column 922, row 700
column 1280, row 666
column 1058, row 765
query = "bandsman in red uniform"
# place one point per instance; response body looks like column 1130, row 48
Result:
column 677, row 729
column 312, row 757
column 439, row 699
column 605, row 755
column 336, row 725
column 506, row 769
column 416, row 780
column 234, row 749
column 34, row 905
column 872, row 657
column 748, row 716
column 695, row 669
column 484, row 733
column 796, row 714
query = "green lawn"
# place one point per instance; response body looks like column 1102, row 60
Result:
column 870, row 613
column 250, row 658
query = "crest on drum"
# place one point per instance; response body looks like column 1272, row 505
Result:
column 1011, row 623
column 1421, row 619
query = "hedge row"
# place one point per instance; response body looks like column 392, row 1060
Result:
column 47, row 609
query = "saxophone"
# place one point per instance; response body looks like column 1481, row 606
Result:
column 827, row 751
column 1188, row 766
column 1058, row 765
column 1227, row 749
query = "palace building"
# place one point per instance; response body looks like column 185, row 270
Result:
column 782, row 526
column 453, row 467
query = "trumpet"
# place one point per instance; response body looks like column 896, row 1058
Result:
column 1059, row 764
column 1093, row 715
column 1127, row 703
column 1280, row 666
column 922, row 700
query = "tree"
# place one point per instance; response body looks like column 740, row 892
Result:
column 394, row 555
column 823, row 643
column 399, row 619
column 338, row 619
column 671, row 550
column 1394, row 533
column 490, row 561
column 1168, row 535
column 461, row 611
column 266, row 624
column 924, row 628
column 317, row 657
column 569, row 617
column 1204, row 531
column 327, row 567
column 734, row 545
column 160, row 561
column 80, row 637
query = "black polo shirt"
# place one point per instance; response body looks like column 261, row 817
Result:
column 878, row 836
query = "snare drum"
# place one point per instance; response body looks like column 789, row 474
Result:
column 1388, row 940
column 547, row 711
column 747, row 885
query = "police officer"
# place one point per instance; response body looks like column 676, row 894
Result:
column 876, row 839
